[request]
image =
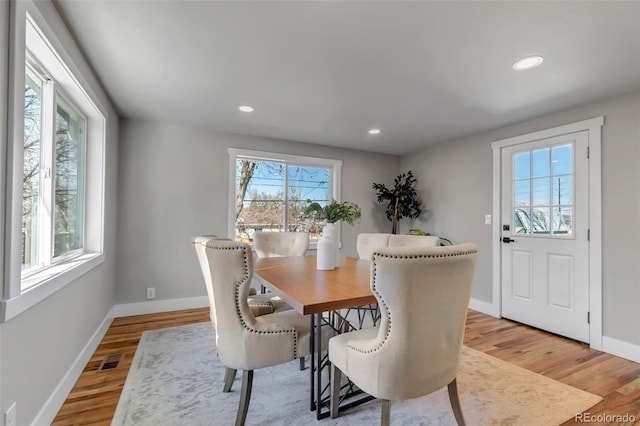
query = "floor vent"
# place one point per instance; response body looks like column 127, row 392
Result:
column 110, row 362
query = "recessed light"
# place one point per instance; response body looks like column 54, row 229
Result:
column 527, row 63
column 246, row 108
column 374, row 131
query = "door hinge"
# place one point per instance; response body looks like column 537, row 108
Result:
column 588, row 317
column 588, row 234
column 588, row 153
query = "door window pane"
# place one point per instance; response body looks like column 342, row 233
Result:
column 543, row 179
column 562, row 191
column 31, row 168
column 522, row 193
column 541, row 191
column 563, row 220
column 522, row 165
column 540, row 223
column 522, row 221
column 69, row 178
column 562, row 160
column 541, row 163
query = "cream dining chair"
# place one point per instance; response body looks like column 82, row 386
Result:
column 281, row 244
column 423, row 294
column 260, row 304
column 245, row 342
column 366, row 244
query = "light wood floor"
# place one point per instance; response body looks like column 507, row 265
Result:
column 94, row 398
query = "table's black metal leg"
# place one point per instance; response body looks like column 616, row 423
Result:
column 318, row 367
column 313, row 361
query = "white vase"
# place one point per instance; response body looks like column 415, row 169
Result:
column 325, row 256
column 331, row 230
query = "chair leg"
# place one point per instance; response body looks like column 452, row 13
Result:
column 301, row 363
column 229, row 377
column 245, row 397
column 386, row 413
column 336, row 377
column 455, row 402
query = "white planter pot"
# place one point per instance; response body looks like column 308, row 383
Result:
column 325, row 257
column 331, row 230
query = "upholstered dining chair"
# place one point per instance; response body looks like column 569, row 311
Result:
column 278, row 244
column 366, row 244
column 413, row 241
column 245, row 342
column 423, row 294
column 259, row 304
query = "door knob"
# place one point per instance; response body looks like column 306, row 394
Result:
column 507, row 240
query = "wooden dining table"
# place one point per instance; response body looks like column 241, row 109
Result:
column 316, row 293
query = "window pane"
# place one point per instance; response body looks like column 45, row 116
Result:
column 31, row 168
column 562, row 191
column 541, row 191
column 521, row 193
column 522, row 165
column 561, row 160
column 541, row 163
column 272, row 196
column 259, row 197
column 540, row 220
column 69, row 180
column 563, row 220
column 521, row 221
column 306, row 183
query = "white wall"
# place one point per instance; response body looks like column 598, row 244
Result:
column 456, row 179
column 39, row 346
column 174, row 184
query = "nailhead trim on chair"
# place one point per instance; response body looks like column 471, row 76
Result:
column 379, row 296
column 237, row 297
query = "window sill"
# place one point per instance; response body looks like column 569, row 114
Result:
column 47, row 282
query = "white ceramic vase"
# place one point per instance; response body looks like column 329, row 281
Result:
column 325, row 255
column 331, row 230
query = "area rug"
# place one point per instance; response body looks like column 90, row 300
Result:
column 176, row 379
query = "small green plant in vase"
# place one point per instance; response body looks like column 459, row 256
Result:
column 334, row 212
column 327, row 252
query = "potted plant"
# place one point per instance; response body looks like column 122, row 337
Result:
column 417, row 231
column 402, row 200
column 334, row 212
column 327, row 249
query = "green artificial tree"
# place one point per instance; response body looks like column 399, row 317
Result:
column 402, row 200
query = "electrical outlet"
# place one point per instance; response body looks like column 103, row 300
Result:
column 10, row 416
column 151, row 292
column 487, row 219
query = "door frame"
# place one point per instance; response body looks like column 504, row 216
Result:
column 594, row 128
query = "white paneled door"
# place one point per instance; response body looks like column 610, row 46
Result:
column 545, row 234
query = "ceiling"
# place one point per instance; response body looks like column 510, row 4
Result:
column 327, row 71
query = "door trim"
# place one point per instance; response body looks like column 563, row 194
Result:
column 594, row 128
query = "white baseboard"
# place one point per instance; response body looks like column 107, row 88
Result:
column 50, row 409
column 155, row 306
column 484, row 307
column 622, row 349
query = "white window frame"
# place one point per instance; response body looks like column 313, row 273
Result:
column 298, row 160
column 30, row 31
column 51, row 92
